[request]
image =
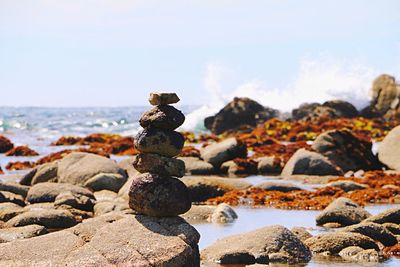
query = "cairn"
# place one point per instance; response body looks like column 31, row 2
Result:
column 156, row 191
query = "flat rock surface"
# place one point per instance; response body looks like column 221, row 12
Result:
column 111, row 240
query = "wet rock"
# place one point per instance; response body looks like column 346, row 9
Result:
column 106, row 181
column 104, row 240
column 9, row 210
column 310, row 163
column 154, row 163
column 203, row 188
column 388, row 216
column 347, row 186
column 14, row 188
column 301, row 233
column 49, row 218
column 163, row 142
column 343, row 211
column 275, row 186
column 157, row 99
column 75, row 200
column 334, row 242
column 5, row 144
column 163, row 117
column 48, row 192
column 21, row 151
column 257, row 247
column 268, row 165
column 197, row 166
column 158, row 196
column 16, row 233
column 199, row 214
column 6, row 196
column 347, row 151
column 389, row 149
column 237, row 113
column 375, row 231
column 218, row 153
column 358, row 254
column 79, row 168
column 223, row 214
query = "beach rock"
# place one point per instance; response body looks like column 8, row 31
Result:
column 347, row 151
column 154, row 163
column 257, row 246
column 124, row 191
column 105, row 195
column 159, row 196
column 218, row 153
column 310, row 163
column 237, row 113
column 389, row 149
column 14, row 188
column 204, row 188
column 75, row 200
column 375, row 231
column 5, row 144
column 20, row 165
column 106, row 181
column 157, row 99
column 223, row 214
column 46, row 172
column 239, row 167
column 358, row 254
column 199, row 214
column 103, row 241
column 392, row 227
column 388, row 216
column 104, row 207
column 196, row 166
column 127, row 165
column 163, row 117
column 343, row 109
column 6, row 196
column 334, row 242
column 78, row 168
column 163, row 142
column 343, row 211
column 49, row 218
column 347, row 186
column 9, row 210
column 385, row 95
column 276, row 186
column 19, row 151
column 268, row 165
column 48, row 192
column 16, row 233
column 301, row 233
column 304, row 110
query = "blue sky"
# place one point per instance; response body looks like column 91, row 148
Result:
column 114, row 52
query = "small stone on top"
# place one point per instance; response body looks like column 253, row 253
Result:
column 163, row 98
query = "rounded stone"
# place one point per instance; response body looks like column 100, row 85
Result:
column 163, row 98
column 154, row 163
column 163, row 142
column 163, row 116
column 159, row 196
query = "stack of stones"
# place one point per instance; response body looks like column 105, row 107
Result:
column 156, row 191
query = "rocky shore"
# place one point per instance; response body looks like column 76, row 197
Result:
column 82, row 207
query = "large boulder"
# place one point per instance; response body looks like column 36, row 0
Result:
column 239, row 112
column 331, row 109
column 342, row 211
column 114, row 239
column 346, row 151
column 342, row 108
column 268, row 244
column 218, row 153
column 79, row 168
column 389, row 149
column 310, row 163
column 385, row 96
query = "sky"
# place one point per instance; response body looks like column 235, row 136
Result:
column 114, row 52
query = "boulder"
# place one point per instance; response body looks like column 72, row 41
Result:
column 385, row 95
column 49, row 218
column 9, row 210
column 6, row 196
column 239, row 112
column 77, row 168
column 157, row 99
column 75, row 200
column 346, row 151
column 239, row 167
column 331, row 109
column 199, row 214
column 375, row 231
column 109, row 206
column 343, row 109
column 21, row 151
column 218, row 153
column 203, row 188
column 388, row 216
column 48, row 192
column 160, row 196
column 46, row 172
column 301, row 233
column 358, row 254
column 347, row 186
column 310, row 163
column 114, row 239
column 334, row 242
column 106, row 181
column 223, row 214
column 5, row 144
column 275, row 186
column 16, row 233
column 197, row 166
column 105, row 195
column 268, row 165
column 258, row 246
column 163, row 142
column 14, row 188
column 163, row 117
column 154, row 163
column 392, row 227
column 343, row 211
column 389, row 149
